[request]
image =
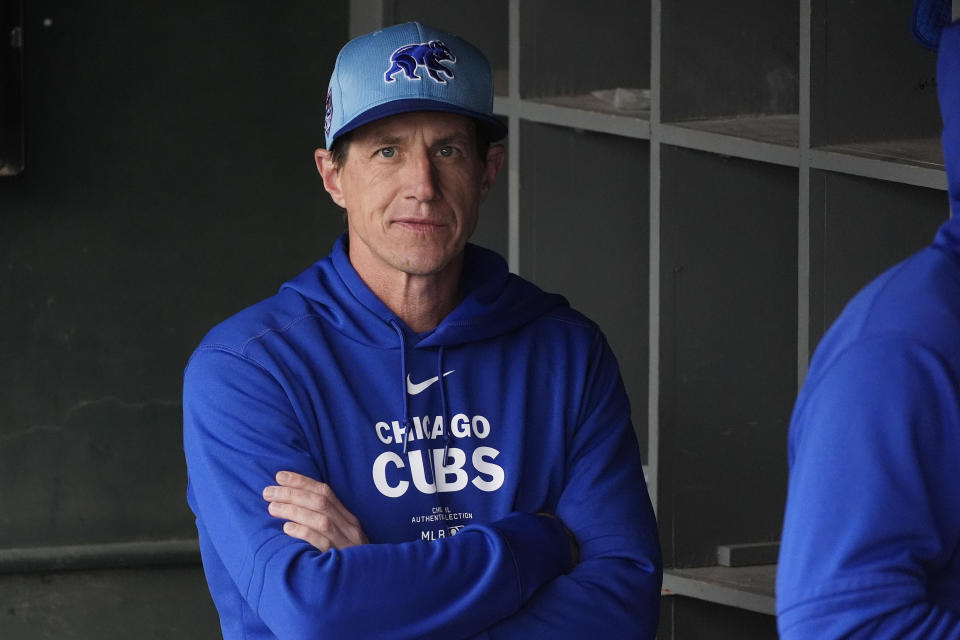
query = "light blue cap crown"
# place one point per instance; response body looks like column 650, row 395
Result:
column 409, row 67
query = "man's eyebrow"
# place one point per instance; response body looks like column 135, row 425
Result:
column 455, row 136
column 385, row 140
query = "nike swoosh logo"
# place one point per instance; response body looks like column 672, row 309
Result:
column 420, row 387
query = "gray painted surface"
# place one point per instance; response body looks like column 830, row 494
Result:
column 748, row 588
column 492, row 228
column 756, row 73
column 728, row 343
column 869, row 79
column 585, row 234
column 691, row 619
column 147, row 604
column 106, row 470
column 570, row 48
column 169, row 183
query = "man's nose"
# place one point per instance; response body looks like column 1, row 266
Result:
column 421, row 177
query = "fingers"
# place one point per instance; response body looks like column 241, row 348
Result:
column 320, row 494
column 310, row 494
column 302, row 532
column 324, row 530
column 313, row 512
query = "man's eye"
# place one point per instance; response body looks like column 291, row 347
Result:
column 447, row 152
column 387, row 152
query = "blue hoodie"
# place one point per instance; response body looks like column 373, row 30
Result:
column 871, row 540
column 514, row 400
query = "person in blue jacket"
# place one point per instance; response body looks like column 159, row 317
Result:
column 407, row 440
column 871, row 537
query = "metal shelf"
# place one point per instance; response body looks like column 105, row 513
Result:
column 772, row 139
column 782, row 130
column 917, row 162
column 585, row 113
column 750, row 588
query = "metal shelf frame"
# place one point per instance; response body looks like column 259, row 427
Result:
column 800, row 137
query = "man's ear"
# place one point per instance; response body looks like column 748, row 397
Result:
column 496, row 154
column 330, row 173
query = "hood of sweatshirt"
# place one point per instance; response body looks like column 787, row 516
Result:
column 493, row 302
column 534, row 418
column 948, row 86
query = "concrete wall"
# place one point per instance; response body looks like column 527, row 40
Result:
column 169, row 182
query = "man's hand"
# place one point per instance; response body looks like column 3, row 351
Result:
column 313, row 512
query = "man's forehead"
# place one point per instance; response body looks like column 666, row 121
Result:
column 433, row 124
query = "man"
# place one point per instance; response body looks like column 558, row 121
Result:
column 407, row 441
column 871, row 540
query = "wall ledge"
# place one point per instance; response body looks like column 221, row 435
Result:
column 114, row 555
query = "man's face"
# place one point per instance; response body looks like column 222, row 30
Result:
column 412, row 186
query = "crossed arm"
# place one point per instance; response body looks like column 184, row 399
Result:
column 504, row 579
column 314, row 514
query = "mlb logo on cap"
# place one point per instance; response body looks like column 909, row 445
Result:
column 409, row 67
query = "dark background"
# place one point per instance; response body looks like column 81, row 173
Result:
column 168, row 183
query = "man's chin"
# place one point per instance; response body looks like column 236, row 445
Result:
column 427, row 263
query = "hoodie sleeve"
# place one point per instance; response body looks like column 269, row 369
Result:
column 239, row 429
column 614, row 591
column 873, row 512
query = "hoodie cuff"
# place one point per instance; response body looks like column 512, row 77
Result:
column 540, row 547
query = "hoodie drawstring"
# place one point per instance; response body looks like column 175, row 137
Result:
column 403, row 384
column 447, row 432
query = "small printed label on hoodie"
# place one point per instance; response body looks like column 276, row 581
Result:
column 442, row 514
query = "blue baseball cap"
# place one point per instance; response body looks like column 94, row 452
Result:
column 928, row 20
column 409, row 67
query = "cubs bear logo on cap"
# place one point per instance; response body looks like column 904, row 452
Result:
column 409, row 67
column 429, row 54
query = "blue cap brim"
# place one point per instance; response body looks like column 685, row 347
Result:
column 492, row 127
